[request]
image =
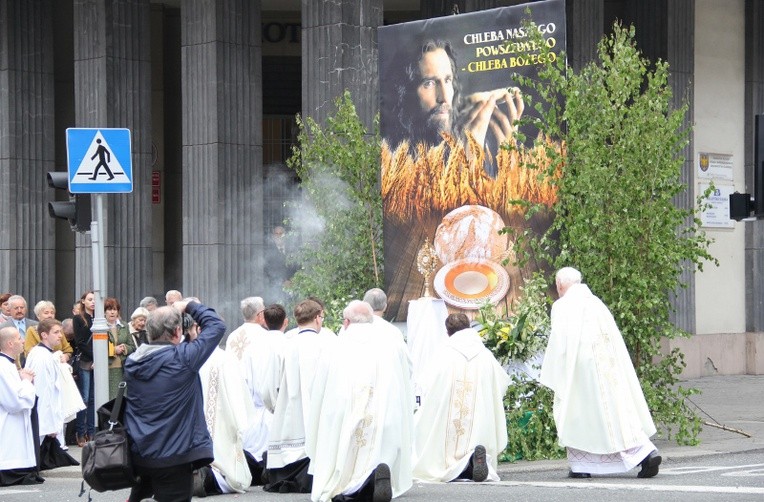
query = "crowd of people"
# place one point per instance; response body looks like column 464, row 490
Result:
column 303, row 410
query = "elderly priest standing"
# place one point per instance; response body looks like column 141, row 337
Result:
column 360, row 429
column 18, row 464
column 599, row 408
column 460, row 427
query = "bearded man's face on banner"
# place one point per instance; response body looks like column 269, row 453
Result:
column 436, row 91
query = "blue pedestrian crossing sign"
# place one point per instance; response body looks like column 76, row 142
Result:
column 100, row 160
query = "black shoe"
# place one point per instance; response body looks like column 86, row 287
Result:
column 479, row 465
column 579, row 475
column 32, row 478
column 383, row 490
column 650, row 465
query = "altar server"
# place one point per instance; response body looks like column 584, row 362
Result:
column 287, row 458
column 18, row 464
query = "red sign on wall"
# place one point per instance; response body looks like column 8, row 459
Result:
column 156, row 187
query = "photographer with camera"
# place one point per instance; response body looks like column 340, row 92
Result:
column 164, row 413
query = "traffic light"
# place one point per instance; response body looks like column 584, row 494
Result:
column 76, row 209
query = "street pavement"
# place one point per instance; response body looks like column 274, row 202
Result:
column 736, row 402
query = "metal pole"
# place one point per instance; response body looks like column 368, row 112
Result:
column 100, row 328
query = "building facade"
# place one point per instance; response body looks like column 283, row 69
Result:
column 210, row 89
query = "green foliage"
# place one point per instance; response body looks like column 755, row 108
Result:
column 520, row 336
column 616, row 220
column 338, row 165
column 333, row 308
column 532, row 434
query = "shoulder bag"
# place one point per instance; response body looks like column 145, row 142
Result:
column 106, row 459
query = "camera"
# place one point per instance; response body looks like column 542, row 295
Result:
column 187, row 322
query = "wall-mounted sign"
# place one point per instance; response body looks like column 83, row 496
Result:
column 156, row 187
column 718, row 214
column 716, row 166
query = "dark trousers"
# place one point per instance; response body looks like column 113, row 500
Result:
column 467, row 472
column 167, row 484
column 292, row 478
column 364, row 494
column 255, row 468
column 26, row 476
column 86, row 417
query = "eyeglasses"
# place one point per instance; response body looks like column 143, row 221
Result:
column 321, row 316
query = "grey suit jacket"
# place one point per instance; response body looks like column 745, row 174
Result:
column 11, row 324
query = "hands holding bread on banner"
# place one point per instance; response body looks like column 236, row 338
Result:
column 497, row 110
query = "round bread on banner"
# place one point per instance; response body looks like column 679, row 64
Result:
column 471, row 232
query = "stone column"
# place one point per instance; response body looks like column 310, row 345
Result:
column 113, row 89
column 27, row 149
column 222, row 153
column 339, row 52
column 679, row 34
column 666, row 31
column 754, row 105
column 585, row 28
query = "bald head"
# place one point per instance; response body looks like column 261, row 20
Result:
column 172, row 296
column 358, row 312
column 10, row 342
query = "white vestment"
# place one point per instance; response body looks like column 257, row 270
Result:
column 361, row 414
column 226, row 410
column 599, row 406
column 17, row 398
column 260, row 364
column 462, row 406
column 290, row 401
column 71, row 399
column 384, row 326
column 426, row 329
column 48, row 385
column 242, row 337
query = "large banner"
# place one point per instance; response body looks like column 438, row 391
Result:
column 453, row 168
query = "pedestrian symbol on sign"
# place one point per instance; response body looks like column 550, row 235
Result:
column 99, row 156
column 99, row 160
column 104, row 157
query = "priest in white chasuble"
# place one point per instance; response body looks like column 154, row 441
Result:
column 360, row 430
column 18, row 464
column 227, row 408
column 252, row 309
column 460, row 427
column 600, row 411
column 287, row 460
